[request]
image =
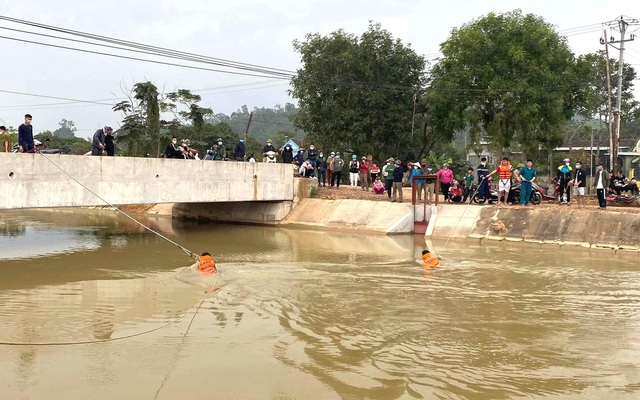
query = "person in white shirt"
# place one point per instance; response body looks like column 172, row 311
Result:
column 602, row 183
column 306, row 169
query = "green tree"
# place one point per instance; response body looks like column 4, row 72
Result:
column 140, row 130
column 356, row 93
column 596, row 101
column 70, row 145
column 67, row 129
column 510, row 78
column 194, row 114
column 265, row 124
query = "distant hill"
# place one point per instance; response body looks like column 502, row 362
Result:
column 267, row 123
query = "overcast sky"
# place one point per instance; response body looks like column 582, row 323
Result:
column 250, row 31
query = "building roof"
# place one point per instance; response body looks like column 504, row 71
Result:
column 294, row 146
column 585, row 144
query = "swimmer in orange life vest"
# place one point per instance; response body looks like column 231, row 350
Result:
column 428, row 260
column 206, row 264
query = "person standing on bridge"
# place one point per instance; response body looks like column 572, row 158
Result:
column 109, row 146
column 5, row 140
column 267, row 148
column 240, row 150
column 98, row 143
column 25, row 136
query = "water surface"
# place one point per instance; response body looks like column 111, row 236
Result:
column 306, row 315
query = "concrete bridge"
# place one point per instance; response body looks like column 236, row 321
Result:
column 34, row 181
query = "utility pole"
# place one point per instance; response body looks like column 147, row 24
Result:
column 621, row 26
column 609, row 109
column 246, row 133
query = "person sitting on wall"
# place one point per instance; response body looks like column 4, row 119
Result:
column 620, row 184
column 306, row 169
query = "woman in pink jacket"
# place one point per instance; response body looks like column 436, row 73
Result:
column 446, row 177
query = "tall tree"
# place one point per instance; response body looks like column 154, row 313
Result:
column 194, row 114
column 140, row 132
column 356, row 93
column 67, row 129
column 596, row 102
column 511, row 78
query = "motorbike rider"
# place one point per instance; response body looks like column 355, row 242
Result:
column 564, row 177
column 267, row 148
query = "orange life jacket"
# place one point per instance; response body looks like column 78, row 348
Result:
column 505, row 171
column 430, row 261
column 206, row 264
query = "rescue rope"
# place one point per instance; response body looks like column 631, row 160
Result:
column 184, row 336
column 465, row 210
column 189, row 252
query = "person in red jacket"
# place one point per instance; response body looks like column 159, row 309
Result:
column 363, row 170
column 455, row 192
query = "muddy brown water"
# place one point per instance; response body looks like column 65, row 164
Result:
column 307, row 315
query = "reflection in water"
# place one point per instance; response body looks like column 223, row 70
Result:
column 306, row 314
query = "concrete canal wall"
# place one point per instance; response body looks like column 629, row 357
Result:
column 591, row 228
column 354, row 215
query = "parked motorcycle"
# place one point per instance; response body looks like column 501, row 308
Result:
column 271, row 156
column 514, row 194
column 40, row 147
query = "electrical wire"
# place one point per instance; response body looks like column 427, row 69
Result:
column 159, row 50
column 140, row 59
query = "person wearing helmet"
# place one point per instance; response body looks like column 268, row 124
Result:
column 109, row 146
column 219, row 150
column 98, row 143
column 565, row 176
column 267, row 148
column 354, row 167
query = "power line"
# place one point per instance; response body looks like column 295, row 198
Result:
column 139, row 59
column 98, row 102
column 54, row 97
column 155, row 49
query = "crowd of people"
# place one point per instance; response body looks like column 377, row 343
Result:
column 102, row 142
column 394, row 174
